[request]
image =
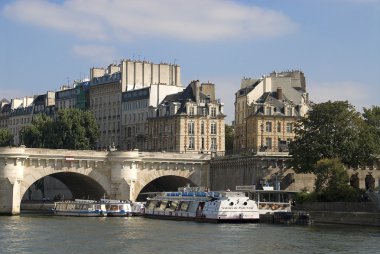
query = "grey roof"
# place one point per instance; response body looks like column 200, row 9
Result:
column 279, row 105
column 183, row 97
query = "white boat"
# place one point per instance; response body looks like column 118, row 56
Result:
column 117, row 208
column 193, row 203
column 268, row 199
column 272, row 201
column 138, row 208
column 80, row 207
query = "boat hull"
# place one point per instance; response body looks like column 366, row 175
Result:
column 200, row 219
column 119, row 214
column 80, row 213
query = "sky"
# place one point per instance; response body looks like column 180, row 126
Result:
column 336, row 43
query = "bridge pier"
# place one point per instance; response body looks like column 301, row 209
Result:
column 11, row 176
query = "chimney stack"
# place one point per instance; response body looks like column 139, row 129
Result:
column 280, row 96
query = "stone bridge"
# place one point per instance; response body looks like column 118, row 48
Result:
column 93, row 174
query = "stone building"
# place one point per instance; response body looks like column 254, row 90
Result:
column 259, row 106
column 105, row 104
column 5, row 109
column 23, row 110
column 118, row 109
column 270, row 122
column 73, row 97
column 191, row 121
column 135, row 109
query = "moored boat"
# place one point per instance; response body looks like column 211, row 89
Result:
column 194, row 203
column 117, row 208
column 80, row 207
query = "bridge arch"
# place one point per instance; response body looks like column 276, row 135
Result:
column 82, row 183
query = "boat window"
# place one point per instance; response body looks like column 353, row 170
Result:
column 231, row 203
column 184, row 206
column 245, row 203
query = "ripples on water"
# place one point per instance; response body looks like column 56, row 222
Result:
column 54, row 234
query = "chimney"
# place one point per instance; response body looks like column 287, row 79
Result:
column 280, row 96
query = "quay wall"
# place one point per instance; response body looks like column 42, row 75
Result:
column 363, row 214
column 232, row 171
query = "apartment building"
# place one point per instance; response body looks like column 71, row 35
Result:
column 75, row 96
column 119, row 97
column 257, row 105
column 135, row 109
column 191, row 121
column 22, row 111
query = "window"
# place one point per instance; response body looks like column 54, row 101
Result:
column 191, row 128
column 278, row 127
column 204, row 111
column 191, row 111
column 269, row 111
column 268, row 126
column 203, row 143
column 213, row 128
column 191, row 142
column 213, row 143
column 289, row 111
column 213, row 112
column 268, row 143
column 202, row 128
column 289, row 127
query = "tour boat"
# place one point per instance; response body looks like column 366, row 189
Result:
column 80, row 207
column 117, row 208
column 138, row 208
column 268, row 199
column 195, row 203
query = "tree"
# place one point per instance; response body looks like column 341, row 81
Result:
column 229, row 138
column 38, row 133
column 332, row 182
column 372, row 119
column 331, row 130
column 71, row 129
column 6, row 137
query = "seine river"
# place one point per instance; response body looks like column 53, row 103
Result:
column 54, row 234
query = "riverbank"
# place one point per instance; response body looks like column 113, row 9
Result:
column 361, row 214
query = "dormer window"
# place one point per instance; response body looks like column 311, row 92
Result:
column 269, row 111
column 289, row 111
column 213, row 112
column 191, row 110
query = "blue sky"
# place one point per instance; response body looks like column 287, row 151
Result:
column 336, row 43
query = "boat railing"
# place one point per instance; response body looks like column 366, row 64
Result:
column 193, row 194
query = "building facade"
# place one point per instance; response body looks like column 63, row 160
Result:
column 267, row 106
column 73, row 97
column 135, row 110
column 191, row 121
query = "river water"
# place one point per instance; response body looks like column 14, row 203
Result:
column 55, row 234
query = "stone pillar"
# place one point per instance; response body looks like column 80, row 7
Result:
column 11, row 176
column 124, row 174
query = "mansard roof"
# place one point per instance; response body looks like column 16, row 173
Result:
column 279, row 105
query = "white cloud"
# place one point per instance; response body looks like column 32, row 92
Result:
column 359, row 95
column 95, row 53
column 196, row 20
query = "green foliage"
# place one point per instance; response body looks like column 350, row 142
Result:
column 229, row 138
column 331, row 184
column 6, row 137
column 372, row 119
column 38, row 133
column 72, row 129
column 332, row 130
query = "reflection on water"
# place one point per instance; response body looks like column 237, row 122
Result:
column 54, row 234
